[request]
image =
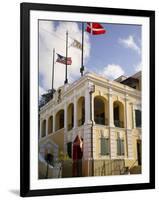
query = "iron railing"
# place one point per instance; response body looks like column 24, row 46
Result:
column 69, row 127
column 101, row 120
column 80, row 122
column 119, row 123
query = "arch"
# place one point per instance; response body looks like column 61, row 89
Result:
column 81, row 111
column 100, row 110
column 59, row 119
column 70, row 116
column 43, row 128
column 50, row 124
column 77, row 156
column 118, row 109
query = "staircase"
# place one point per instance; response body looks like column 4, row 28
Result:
column 53, row 171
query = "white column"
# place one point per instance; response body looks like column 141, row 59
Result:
column 93, row 108
column 65, row 128
column 75, row 112
column 133, row 116
column 127, row 113
column 126, row 125
column 111, row 114
column 47, row 126
column 113, row 148
column 54, row 123
column 65, row 117
column 87, row 106
column 40, row 127
column 130, row 144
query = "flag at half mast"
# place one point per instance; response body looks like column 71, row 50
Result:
column 95, row 28
column 62, row 59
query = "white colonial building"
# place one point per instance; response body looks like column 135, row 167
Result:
column 96, row 123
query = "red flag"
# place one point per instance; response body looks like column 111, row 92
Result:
column 95, row 28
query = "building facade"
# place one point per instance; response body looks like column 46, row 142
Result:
column 97, row 123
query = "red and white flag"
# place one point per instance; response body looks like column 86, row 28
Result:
column 95, row 28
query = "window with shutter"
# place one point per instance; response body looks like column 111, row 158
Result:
column 120, row 147
column 104, row 146
column 138, row 118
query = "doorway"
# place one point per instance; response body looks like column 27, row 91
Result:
column 139, row 152
column 77, row 156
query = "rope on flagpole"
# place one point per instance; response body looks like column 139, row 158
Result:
column 82, row 67
column 66, row 79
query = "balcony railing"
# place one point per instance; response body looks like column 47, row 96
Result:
column 101, row 120
column 119, row 123
column 80, row 122
column 69, row 127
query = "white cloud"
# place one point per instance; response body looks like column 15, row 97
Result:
column 41, row 91
column 130, row 43
column 51, row 36
column 112, row 71
column 138, row 67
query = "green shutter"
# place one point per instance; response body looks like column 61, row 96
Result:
column 138, row 118
column 118, row 147
column 104, row 146
column 107, row 146
column 122, row 147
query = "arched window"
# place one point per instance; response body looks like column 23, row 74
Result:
column 118, row 109
column 100, row 108
column 81, row 111
column 70, row 116
column 59, row 120
column 50, row 125
column 43, row 128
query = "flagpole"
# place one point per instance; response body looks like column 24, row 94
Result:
column 53, row 69
column 82, row 67
column 66, row 80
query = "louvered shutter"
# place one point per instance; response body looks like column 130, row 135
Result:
column 122, row 147
column 118, row 147
column 105, row 146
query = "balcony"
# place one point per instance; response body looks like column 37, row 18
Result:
column 70, row 127
column 101, row 120
column 80, row 122
column 119, row 123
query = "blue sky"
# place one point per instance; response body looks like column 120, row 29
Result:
column 115, row 53
column 108, row 49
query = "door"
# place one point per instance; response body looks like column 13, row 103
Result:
column 77, row 157
column 139, row 152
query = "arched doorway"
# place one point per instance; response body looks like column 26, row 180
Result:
column 50, row 125
column 70, row 116
column 43, row 128
column 100, row 110
column 81, row 111
column 59, row 120
column 118, row 109
column 77, row 156
column 139, row 152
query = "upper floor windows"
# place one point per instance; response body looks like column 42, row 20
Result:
column 138, row 118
